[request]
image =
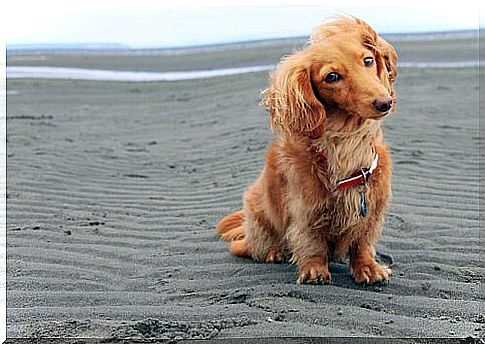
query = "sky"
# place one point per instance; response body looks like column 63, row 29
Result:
column 149, row 23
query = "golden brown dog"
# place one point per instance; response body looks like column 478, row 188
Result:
column 327, row 178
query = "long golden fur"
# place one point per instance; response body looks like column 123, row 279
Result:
column 293, row 209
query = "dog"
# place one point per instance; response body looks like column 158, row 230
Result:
column 326, row 183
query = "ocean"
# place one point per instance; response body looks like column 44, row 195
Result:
column 37, row 52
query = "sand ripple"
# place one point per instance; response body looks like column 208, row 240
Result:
column 114, row 190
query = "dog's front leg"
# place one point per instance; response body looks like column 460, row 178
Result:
column 363, row 266
column 310, row 253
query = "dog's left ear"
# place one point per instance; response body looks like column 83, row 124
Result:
column 386, row 64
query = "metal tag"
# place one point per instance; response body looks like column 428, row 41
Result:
column 363, row 204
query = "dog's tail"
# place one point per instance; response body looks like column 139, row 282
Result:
column 231, row 228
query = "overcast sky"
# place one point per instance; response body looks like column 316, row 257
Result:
column 147, row 23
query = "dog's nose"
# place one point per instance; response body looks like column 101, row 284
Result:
column 383, row 104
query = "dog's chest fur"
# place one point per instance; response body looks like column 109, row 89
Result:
column 337, row 211
column 346, row 152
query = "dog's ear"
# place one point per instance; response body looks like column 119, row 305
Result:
column 388, row 63
column 293, row 107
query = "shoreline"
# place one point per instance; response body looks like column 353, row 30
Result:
column 60, row 73
column 95, row 48
column 450, row 50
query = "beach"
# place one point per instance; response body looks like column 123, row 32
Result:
column 114, row 190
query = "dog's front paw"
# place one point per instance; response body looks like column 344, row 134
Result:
column 370, row 272
column 314, row 272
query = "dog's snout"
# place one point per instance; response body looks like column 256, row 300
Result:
column 383, row 104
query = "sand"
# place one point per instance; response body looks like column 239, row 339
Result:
column 114, row 190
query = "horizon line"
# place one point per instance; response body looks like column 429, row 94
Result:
column 107, row 46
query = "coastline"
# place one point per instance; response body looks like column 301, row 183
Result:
column 60, row 73
column 413, row 49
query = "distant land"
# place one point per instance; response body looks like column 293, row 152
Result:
column 66, row 46
column 22, row 48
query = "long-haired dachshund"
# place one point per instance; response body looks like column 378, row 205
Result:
column 326, row 183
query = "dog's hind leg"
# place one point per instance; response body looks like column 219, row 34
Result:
column 263, row 239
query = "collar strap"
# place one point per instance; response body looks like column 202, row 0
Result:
column 359, row 177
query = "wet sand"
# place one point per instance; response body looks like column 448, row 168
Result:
column 114, row 190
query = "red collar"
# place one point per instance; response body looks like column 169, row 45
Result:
column 359, row 177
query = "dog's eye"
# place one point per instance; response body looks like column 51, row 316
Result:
column 368, row 61
column 333, row 77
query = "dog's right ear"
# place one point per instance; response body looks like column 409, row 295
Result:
column 293, row 107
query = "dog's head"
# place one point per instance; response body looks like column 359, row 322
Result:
column 346, row 66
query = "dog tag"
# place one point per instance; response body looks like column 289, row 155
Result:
column 363, row 204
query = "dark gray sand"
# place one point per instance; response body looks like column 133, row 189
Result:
column 114, row 190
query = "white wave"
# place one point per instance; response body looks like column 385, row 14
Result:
column 4, row 93
column 23, row 72
column 450, row 64
column 115, row 75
